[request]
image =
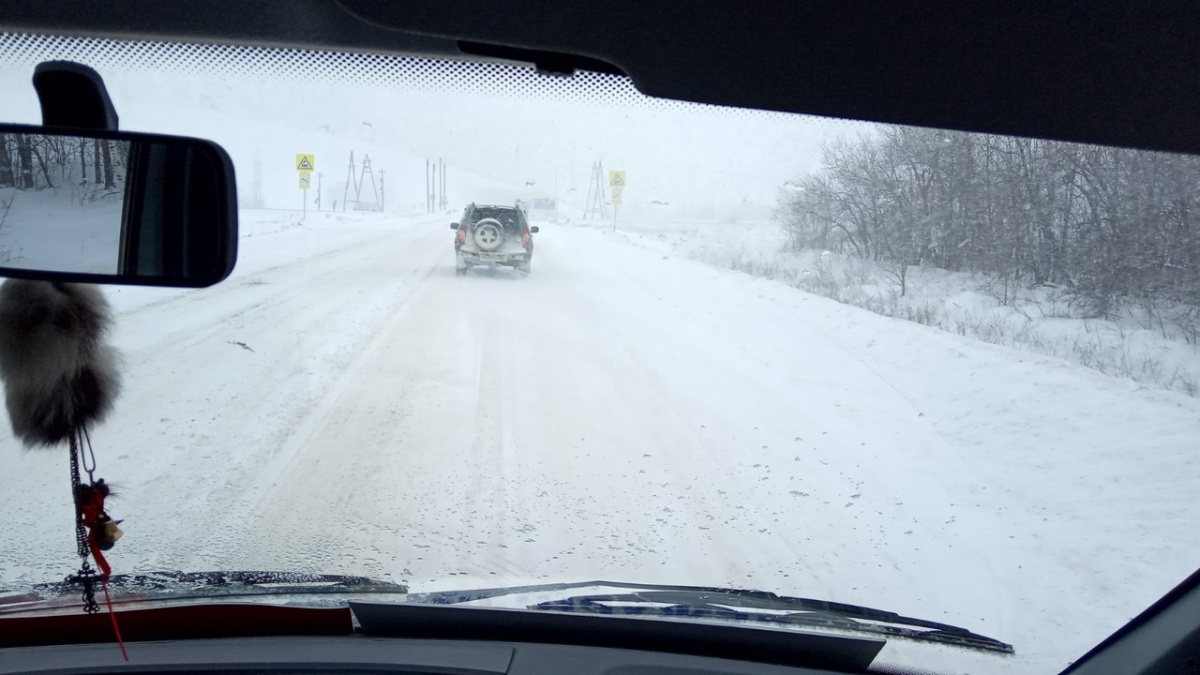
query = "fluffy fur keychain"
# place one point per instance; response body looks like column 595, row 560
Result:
column 59, row 375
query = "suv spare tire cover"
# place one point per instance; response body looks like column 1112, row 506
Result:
column 489, row 234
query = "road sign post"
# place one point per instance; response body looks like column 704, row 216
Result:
column 616, row 188
column 305, row 186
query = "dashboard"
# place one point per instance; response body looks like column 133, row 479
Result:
column 354, row 654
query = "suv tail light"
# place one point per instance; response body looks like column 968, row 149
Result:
column 462, row 234
column 525, row 237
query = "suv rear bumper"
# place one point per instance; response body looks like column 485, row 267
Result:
column 499, row 257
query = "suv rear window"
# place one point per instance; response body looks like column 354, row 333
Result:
column 510, row 217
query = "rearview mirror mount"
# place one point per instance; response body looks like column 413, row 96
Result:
column 112, row 207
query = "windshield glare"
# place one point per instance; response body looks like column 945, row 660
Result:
column 948, row 375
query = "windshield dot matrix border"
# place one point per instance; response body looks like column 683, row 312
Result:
column 407, row 73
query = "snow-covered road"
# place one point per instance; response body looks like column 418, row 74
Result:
column 344, row 403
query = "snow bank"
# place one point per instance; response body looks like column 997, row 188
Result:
column 1161, row 350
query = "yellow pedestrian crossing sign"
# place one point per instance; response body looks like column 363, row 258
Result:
column 305, row 180
column 305, row 163
column 616, row 186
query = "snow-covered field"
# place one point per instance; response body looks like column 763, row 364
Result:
column 344, row 403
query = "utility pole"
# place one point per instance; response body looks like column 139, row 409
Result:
column 381, row 172
column 445, row 200
column 319, row 181
column 435, row 185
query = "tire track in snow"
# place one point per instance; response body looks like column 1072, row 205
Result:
column 271, row 385
column 281, row 488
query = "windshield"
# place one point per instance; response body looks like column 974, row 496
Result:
column 947, row 375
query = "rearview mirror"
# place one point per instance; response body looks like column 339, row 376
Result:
column 534, row 229
column 115, row 207
column 454, row 226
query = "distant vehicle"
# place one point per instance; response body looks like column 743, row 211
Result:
column 493, row 235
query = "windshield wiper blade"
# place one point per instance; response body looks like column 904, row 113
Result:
column 732, row 604
column 769, row 608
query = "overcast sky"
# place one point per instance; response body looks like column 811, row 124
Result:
column 493, row 144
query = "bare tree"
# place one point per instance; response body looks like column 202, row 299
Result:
column 1109, row 224
column 108, row 165
column 41, row 162
column 7, row 178
column 24, row 162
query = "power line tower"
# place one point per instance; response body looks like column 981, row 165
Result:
column 351, row 181
column 597, row 201
column 358, row 180
column 362, row 182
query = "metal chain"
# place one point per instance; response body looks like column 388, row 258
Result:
column 76, row 484
column 86, row 576
column 90, row 469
